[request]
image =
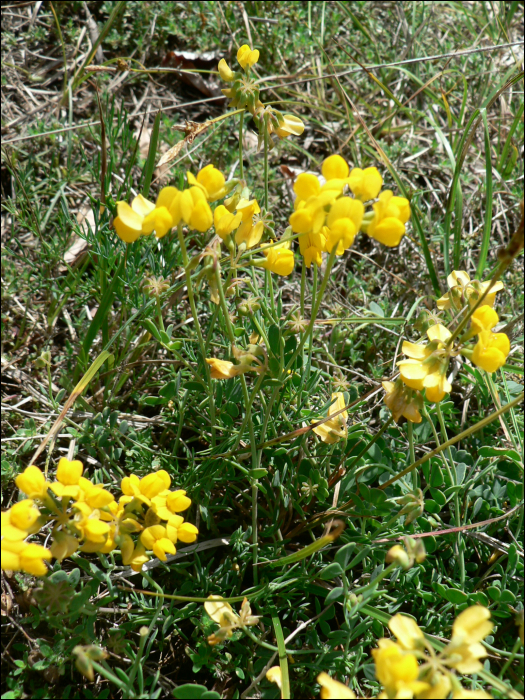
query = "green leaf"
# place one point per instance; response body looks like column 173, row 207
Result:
column 149, row 165
column 455, row 597
column 331, row 571
column 431, row 506
column 343, row 555
column 257, row 473
column 193, row 691
column 151, row 328
column 102, row 311
column 334, row 595
column 274, row 339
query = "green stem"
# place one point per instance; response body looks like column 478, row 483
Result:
column 316, row 303
column 512, row 656
column 143, row 637
column 412, row 454
column 241, row 164
column 303, row 285
column 202, row 344
column 159, row 313
column 246, row 399
column 452, row 476
column 266, row 137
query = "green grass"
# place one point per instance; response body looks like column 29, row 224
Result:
column 447, row 133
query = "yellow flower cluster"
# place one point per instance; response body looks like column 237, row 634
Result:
column 427, row 363
column 326, row 217
column 172, row 206
column 86, row 517
column 244, row 92
column 397, row 662
column 237, row 221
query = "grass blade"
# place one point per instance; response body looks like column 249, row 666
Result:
column 149, row 166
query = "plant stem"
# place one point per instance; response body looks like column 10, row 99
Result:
column 241, row 164
column 202, row 344
column 247, row 403
column 452, row 476
column 412, row 454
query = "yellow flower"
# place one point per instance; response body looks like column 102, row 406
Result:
column 69, row 473
column 132, row 556
column 470, row 694
column 390, row 216
column 93, row 494
column 491, row 351
column 274, row 675
column 146, row 488
column 343, row 223
column 155, row 538
column 334, row 429
column 246, row 57
column 251, row 229
column 68, row 478
column 483, row 319
column 20, row 520
column 463, row 291
column 225, row 222
column 330, row 688
column 211, row 181
column 472, row 625
column 428, row 364
column 33, row 483
column 169, row 502
column 440, row 685
column 225, row 71
column 464, row 649
column 221, row 612
column 290, row 125
column 187, row 533
column 335, row 168
column 312, row 246
column 63, row 545
column 90, row 526
column 403, row 401
column 222, row 369
column 21, row 556
column 279, row 259
column 397, row 670
column 409, row 635
column 365, row 184
column 142, row 217
column 399, row 555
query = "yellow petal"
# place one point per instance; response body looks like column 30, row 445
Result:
column 439, row 332
column 389, row 232
column 484, row 319
column 225, row 71
column 307, row 185
column 330, row 688
column 217, row 608
column 142, row 206
column 407, row 631
column 334, row 167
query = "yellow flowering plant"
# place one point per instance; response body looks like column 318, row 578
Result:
column 411, row 667
column 83, row 516
column 247, row 296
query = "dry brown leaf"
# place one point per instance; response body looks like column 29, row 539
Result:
column 77, row 250
column 191, row 131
